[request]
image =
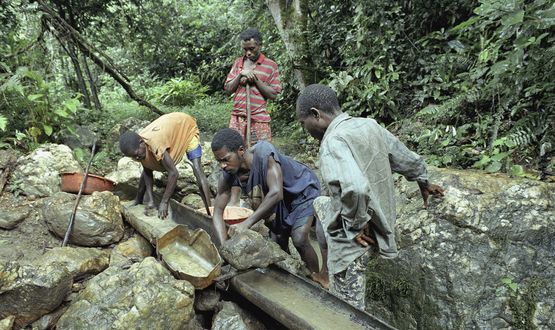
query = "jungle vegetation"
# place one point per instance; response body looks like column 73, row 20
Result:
column 467, row 84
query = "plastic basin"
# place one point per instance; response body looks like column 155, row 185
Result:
column 232, row 214
column 71, row 181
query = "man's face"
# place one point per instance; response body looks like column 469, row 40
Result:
column 251, row 49
column 312, row 123
column 140, row 153
column 229, row 161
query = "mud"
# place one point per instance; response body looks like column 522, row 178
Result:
column 185, row 259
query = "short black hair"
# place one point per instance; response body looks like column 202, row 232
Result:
column 229, row 138
column 129, row 142
column 249, row 34
column 317, row 96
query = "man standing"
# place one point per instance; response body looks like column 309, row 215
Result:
column 159, row 147
column 254, row 78
column 287, row 189
column 357, row 158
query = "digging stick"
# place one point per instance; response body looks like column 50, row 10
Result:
column 72, row 217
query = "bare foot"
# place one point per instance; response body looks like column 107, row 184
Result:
column 321, row 278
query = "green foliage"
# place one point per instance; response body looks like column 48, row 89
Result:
column 490, row 75
column 211, row 113
column 180, row 92
column 3, row 123
column 37, row 107
column 522, row 301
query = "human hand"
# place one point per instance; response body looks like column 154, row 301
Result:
column 427, row 189
column 249, row 75
column 363, row 238
column 236, row 229
column 163, row 210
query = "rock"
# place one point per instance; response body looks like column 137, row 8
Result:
column 133, row 250
column 10, row 220
column 83, row 138
column 482, row 256
column 98, row 219
column 78, row 261
column 249, row 249
column 186, row 181
column 231, row 316
column 28, row 292
column 38, row 173
column 293, row 266
column 213, row 179
column 228, row 318
column 193, row 200
column 207, row 299
column 7, row 323
column 49, row 320
column 144, row 296
column 129, row 171
column 8, row 160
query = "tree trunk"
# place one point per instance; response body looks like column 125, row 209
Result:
column 291, row 19
column 64, row 30
column 80, row 80
column 94, row 93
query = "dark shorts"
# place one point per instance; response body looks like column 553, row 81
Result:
column 195, row 153
column 296, row 219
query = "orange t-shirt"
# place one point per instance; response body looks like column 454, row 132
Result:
column 172, row 132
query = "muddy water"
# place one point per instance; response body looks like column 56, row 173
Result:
column 183, row 258
column 308, row 305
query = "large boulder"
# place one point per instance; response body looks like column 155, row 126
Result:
column 38, row 173
column 482, row 257
column 10, row 220
column 133, row 250
column 28, row 292
column 98, row 219
column 84, row 138
column 142, row 296
column 79, row 261
column 249, row 249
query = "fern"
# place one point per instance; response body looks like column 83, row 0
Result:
column 446, row 109
column 531, row 129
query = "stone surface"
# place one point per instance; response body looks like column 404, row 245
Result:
column 49, row 320
column 231, row 316
column 249, row 249
column 482, row 257
column 228, row 317
column 84, row 138
column 207, row 299
column 133, row 250
column 193, row 200
column 144, row 296
column 7, row 323
column 28, row 292
column 78, row 261
column 10, row 220
column 38, row 173
column 98, row 220
column 129, row 171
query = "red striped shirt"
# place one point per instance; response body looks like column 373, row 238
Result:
column 267, row 71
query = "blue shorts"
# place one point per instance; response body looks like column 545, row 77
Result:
column 195, row 153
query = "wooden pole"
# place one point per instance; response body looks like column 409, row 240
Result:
column 248, row 133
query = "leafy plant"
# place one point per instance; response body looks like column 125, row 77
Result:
column 180, row 92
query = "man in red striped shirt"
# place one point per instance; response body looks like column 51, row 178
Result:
column 262, row 76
